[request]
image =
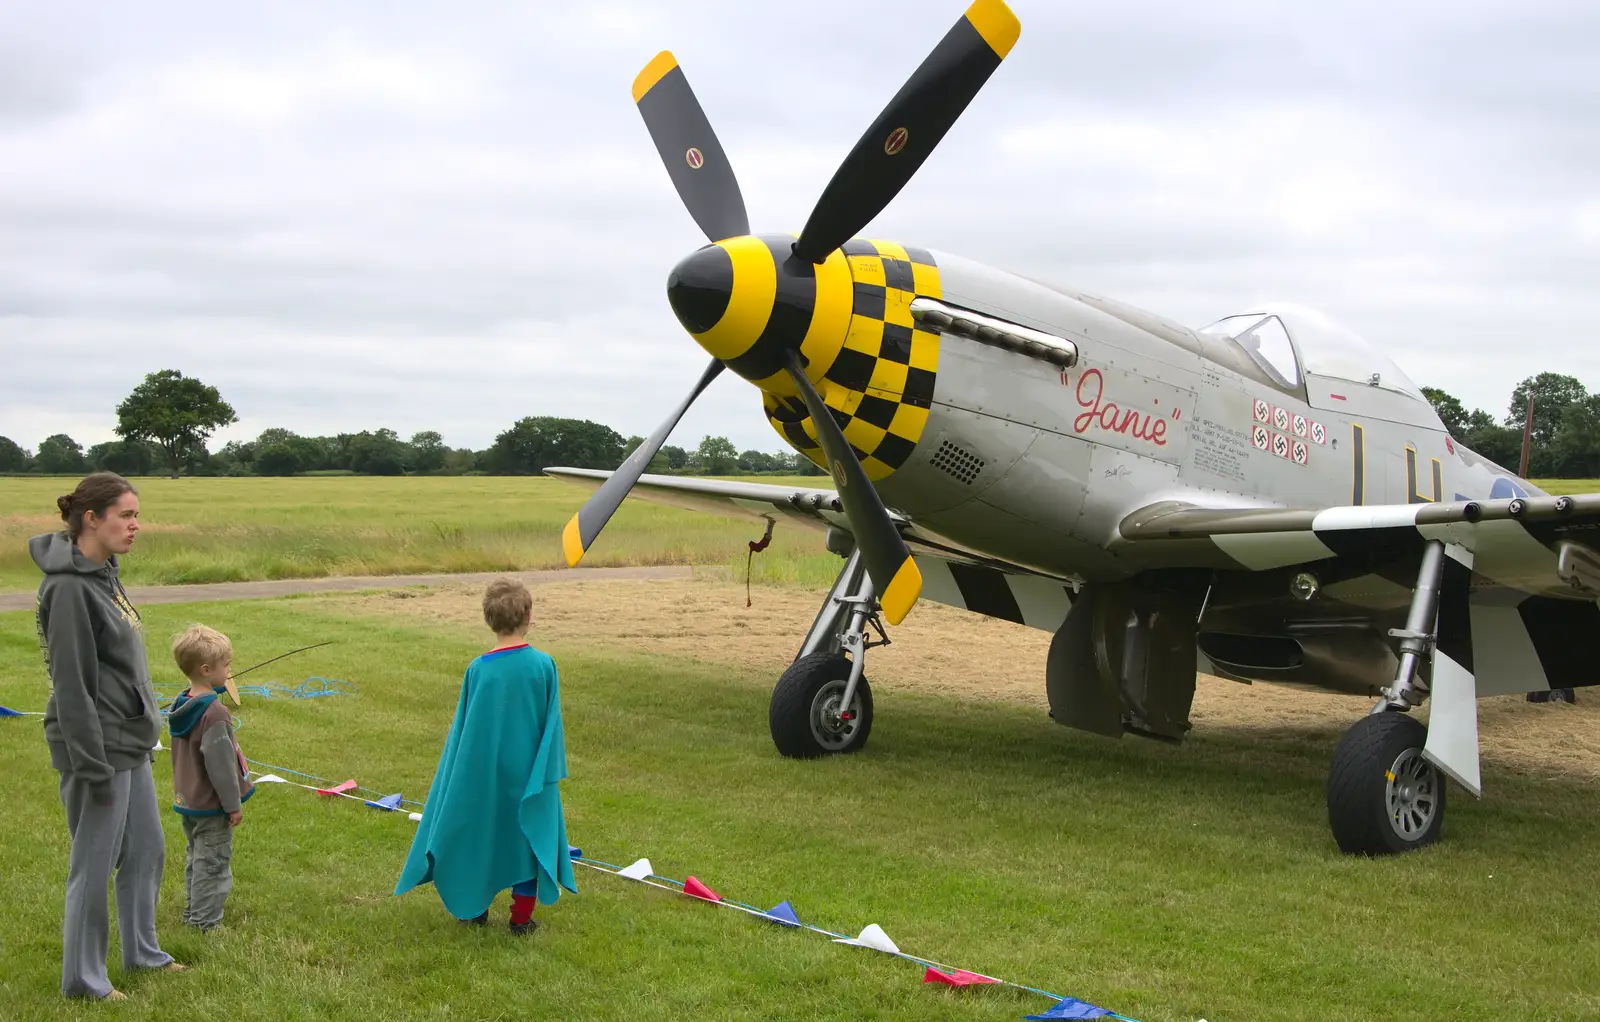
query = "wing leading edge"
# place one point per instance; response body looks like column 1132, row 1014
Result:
column 1542, row 545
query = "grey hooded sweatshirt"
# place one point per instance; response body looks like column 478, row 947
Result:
column 102, row 716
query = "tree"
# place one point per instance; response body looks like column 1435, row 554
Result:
column 1500, row 444
column 677, row 457
column 717, row 455
column 1575, row 451
column 280, row 459
column 276, row 435
column 175, row 411
column 13, row 457
column 382, row 453
column 428, row 451
column 1552, row 394
column 1451, row 411
column 535, row 443
column 124, row 457
column 60, row 455
column 460, row 461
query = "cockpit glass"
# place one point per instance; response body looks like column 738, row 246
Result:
column 1266, row 341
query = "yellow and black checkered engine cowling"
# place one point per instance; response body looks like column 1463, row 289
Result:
column 880, row 384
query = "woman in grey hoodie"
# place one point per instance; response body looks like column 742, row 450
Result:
column 102, row 724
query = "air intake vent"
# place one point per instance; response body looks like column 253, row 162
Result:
column 960, row 463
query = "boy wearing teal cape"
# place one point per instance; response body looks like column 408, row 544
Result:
column 493, row 816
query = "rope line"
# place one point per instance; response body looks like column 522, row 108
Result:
column 671, row 885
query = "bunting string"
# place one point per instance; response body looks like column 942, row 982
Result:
column 872, row 936
column 323, row 784
column 314, row 687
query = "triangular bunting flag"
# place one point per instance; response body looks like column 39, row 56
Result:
column 6, row 711
column 638, row 871
column 271, row 779
column 783, row 914
column 338, row 789
column 1071, row 1007
column 576, row 853
column 955, row 977
column 873, row 937
column 388, row 802
column 415, row 817
column 695, row 889
column 158, row 747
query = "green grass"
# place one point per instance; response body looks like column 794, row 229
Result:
column 235, row 530
column 1164, row 883
column 230, row 530
column 1568, row 486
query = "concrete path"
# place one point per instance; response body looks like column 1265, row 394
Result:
column 146, row 595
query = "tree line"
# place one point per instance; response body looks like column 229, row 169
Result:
column 1565, row 438
column 165, row 422
column 164, row 426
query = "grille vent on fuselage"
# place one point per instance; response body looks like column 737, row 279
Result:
column 958, row 462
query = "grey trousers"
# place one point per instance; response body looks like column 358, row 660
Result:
column 208, row 873
column 126, row 837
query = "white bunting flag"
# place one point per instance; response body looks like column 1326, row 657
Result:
column 637, row 871
column 873, row 937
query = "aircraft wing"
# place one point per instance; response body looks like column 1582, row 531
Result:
column 813, row 508
column 951, row 574
column 1543, row 545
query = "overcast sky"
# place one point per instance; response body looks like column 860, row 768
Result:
column 410, row 215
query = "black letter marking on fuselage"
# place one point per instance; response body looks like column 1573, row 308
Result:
column 1358, row 455
column 1412, row 496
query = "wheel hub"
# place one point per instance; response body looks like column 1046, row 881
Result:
column 831, row 726
column 1412, row 794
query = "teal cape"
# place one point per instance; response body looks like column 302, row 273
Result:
column 493, row 815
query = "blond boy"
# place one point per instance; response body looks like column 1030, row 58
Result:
column 209, row 777
column 493, row 819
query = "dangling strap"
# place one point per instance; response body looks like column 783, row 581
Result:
column 756, row 546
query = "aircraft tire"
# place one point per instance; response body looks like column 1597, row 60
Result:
column 796, row 713
column 1370, row 814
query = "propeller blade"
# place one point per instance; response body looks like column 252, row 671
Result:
column 894, row 574
column 585, row 526
column 694, row 158
column 910, row 127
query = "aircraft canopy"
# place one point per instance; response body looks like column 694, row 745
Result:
column 1274, row 333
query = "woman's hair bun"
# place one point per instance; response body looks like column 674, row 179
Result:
column 65, row 504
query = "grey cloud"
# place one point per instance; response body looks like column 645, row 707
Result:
column 350, row 220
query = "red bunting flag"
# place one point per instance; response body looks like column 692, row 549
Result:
column 955, row 977
column 340, row 789
column 695, row 889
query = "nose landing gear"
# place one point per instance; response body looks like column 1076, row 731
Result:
column 823, row 704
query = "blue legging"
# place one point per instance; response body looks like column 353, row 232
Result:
column 526, row 889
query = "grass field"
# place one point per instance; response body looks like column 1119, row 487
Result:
column 232, row 530
column 1162, row 883
column 235, row 530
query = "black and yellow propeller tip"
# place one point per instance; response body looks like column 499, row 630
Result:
column 659, row 67
column 996, row 23
column 572, row 542
column 902, row 593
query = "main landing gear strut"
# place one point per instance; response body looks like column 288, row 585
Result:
column 822, row 704
column 1384, row 794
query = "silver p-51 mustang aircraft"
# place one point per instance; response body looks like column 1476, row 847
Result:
column 1265, row 499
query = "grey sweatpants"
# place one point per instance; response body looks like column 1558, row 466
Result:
column 126, row 837
column 208, row 873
